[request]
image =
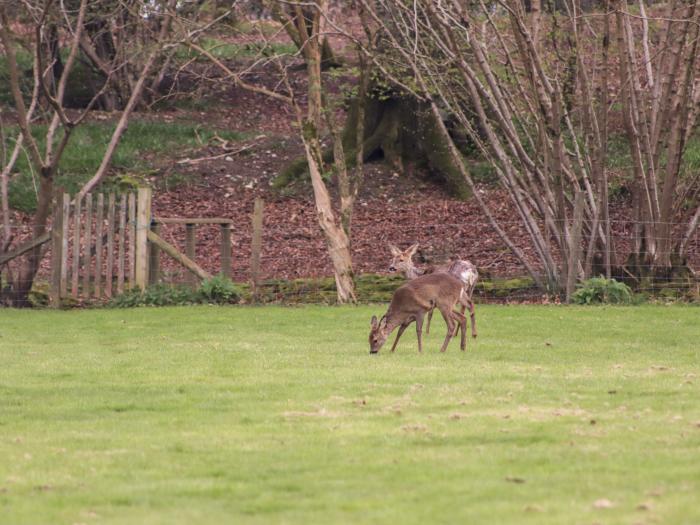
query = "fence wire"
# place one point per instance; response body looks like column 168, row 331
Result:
column 295, row 266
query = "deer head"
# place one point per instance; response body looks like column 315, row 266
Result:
column 402, row 260
column 378, row 334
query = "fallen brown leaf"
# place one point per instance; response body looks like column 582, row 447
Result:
column 603, row 504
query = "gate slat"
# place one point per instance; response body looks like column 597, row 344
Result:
column 87, row 257
column 99, row 226
column 64, row 247
column 75, row 276
column 110, row 245
column 122, row 240
column 132, row 238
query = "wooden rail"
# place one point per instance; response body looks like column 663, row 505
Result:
column 191, row 224
column 161, row 220
column 179, row 257
column 105, row 244
column 27, row 246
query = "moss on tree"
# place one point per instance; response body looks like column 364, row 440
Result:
column 402, row 131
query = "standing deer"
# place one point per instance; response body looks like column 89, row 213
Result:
column 465, row 271
column 412, row 301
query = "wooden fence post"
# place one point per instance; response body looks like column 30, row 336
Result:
column 190, row 251
column 154, row 259
column 256, row 247
column 143, row 225
column 56, row 251
column 226, row 250
column 575, row 246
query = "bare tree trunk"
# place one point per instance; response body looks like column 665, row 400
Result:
column 337, row 239
column 657, row 121
column 25, row 277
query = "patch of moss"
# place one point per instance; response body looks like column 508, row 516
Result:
column 371, row 288
column 501, row 288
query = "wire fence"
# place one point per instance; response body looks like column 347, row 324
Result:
column 295, row 266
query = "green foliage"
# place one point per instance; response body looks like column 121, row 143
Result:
column 278, row 415
column 155, row 295
column 620, row 159
column 250, row 27
column 502, row 288
column 24, row 65
column 691, row 156
column 81, row 80
column 217, row 290
column 599, row 290
column 220, row 290
column 228, row 51
column 483, row 172
column 88, row 143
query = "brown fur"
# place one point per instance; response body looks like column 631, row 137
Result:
column 412, row 301
column 402, row 261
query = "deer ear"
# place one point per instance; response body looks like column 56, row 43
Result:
column 382, row 323
column 412, row 249
column 394, row 250
column 373, row 322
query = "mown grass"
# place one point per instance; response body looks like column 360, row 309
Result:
column 88, row 144
column 279, row 415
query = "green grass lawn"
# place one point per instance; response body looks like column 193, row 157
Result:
column 279, row 415
column 88, row 143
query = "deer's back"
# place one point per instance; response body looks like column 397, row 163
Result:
column 425, row 291
column 465, row 271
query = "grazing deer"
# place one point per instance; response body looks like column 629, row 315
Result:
column 412, row 301
column 465, row 271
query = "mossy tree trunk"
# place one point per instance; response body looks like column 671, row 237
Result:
column 403, row 132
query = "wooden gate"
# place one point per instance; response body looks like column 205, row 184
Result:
column 104, row 244
column 99, row 245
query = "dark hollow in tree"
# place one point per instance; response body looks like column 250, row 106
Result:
column 401, row 130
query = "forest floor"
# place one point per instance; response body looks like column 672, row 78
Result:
column 241, row 140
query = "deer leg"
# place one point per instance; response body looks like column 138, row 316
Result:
column 419, row 331
column 430, row 317
column 447, row 315
column 472, row 317
column 457, row 325
column 398, row 335
column 462, row 322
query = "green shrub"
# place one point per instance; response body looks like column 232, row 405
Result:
column 219, row 290
column 600, row 290
column 24, row 65
column 156, row 295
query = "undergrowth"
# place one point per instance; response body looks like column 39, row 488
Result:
column 599, row 290
column 217, row 290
